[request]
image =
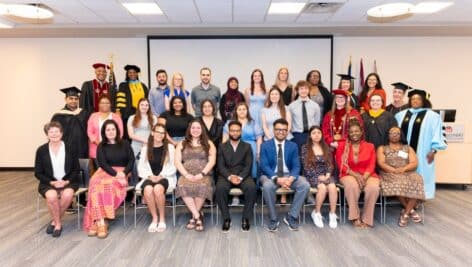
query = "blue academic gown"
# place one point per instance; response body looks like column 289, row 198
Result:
column 431, row 137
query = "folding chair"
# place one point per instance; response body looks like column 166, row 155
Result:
column 278, row 192
column 170, row 191
column 313, row 191
column 236, row 192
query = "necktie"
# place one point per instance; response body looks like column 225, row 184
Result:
column 280, row 162
column 305, row 117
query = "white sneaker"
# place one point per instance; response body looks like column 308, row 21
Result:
column 317, row 219
column 235, row 201
column 333, row 223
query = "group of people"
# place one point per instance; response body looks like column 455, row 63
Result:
column 291, row 137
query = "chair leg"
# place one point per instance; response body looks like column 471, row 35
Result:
column 173, row 207
column 124, row 212
column 262, row 209
column 135, row 207
column 304, row 213
column 254, row 215
column 217, row 220
column 37, row 209
column 339, row 206
column 78, row 211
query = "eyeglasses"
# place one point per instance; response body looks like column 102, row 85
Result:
column 280, row 130
column 159, row 132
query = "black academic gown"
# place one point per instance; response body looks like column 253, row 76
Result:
column 394, row 110
column 74, row 130
column 376, row 129
column 124, row 97
column 87, row 95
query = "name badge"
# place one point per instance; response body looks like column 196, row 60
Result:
column 402, row 154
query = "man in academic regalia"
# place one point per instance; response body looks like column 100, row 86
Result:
column 128, row 95
column 398, row 105
column 74, row 122
column 92, row 90
column 424, row 131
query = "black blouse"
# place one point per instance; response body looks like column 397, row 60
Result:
column 176, row 125
column 115, row 155
column 215, row 133
column 156, row 165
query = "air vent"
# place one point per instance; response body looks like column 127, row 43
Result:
column 321, row 7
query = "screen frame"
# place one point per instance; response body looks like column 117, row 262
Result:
column 330, row 37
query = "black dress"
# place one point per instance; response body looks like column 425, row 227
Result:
column 215, row 133
column 376, row 129
column 176, row 125
column 74, row 130
column 286, row 94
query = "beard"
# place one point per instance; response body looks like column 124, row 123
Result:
column 235, row 138
column 162, row 83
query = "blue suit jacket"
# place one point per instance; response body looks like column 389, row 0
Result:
column 268, row 158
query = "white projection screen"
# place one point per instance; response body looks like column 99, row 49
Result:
column 238, row 56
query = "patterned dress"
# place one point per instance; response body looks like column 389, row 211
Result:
column 194, row 160
column 313, row 171
column 408, row 184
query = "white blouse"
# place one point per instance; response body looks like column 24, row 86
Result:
column 58, row 162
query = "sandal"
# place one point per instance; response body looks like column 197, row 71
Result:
column 358, row 223
column 415, row 217
column 152, row 228
column 403, row 220
column 161, row 227
column 191, row 224
column 199, row 225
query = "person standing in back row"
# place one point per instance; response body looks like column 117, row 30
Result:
column 205, row 90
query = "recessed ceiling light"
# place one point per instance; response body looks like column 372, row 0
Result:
column 430, row 7
column 143, row 8
column 30, row 11
column 286, row 8
column 390, row 10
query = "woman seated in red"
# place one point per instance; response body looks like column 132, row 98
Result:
column 107, row 187
column 356, row 163
column 336, row 121
column 57, row 169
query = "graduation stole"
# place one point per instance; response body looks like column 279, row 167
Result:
column 415, row 133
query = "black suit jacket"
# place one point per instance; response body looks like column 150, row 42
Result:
column 237, row 162
column 87, row 95
column 43, row 166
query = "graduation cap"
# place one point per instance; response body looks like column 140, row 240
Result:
column 132, row 67
column 346, row 77
column 418, row 92
column 401, row 86
column 100, row 65
column 340, row 92
column 71, row 91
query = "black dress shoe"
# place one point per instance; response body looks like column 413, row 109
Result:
column 50, row 228
column 57, row 233
column 245, row 225
column 226, row 225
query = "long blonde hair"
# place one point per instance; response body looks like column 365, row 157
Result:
column 172, row 86
column 277, row 79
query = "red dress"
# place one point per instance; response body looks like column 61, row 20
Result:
column 365, row 104
column 366, row 159
column 335, row 127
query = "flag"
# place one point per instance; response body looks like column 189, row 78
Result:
column 375, row 66
column 350, row 66
column 361, row 77
column 112, row 79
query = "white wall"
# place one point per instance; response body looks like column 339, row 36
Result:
column 33, row 70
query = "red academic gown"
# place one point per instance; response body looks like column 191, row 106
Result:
column 338, row 124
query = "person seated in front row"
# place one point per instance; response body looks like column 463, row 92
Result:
column 107, row 187
column 398, row 162
column 280, row 166
column 234, row 170
column 195, row 158
column 157, row 170
column 318, row 169
column 57, row 168
column 356, row 161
